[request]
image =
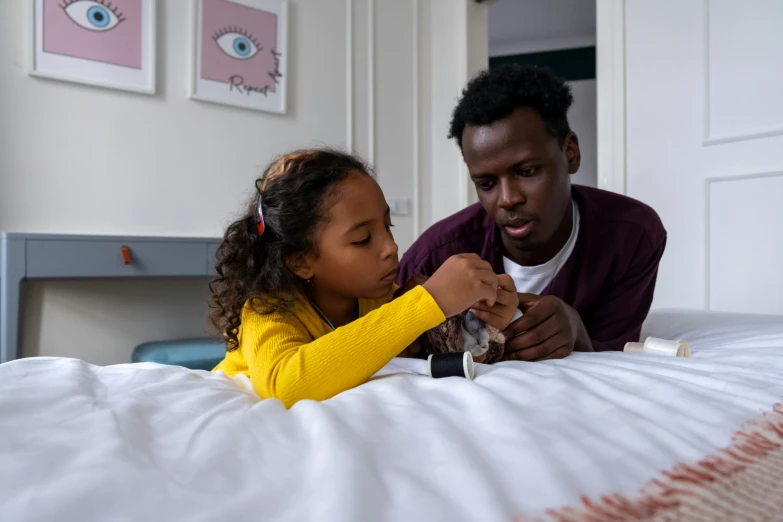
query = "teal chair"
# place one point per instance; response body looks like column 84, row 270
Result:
column 196, row 354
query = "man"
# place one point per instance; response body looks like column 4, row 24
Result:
column 584, row 260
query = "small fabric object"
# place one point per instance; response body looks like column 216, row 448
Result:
column 465, row 333
column 655, row 346
column 454, row 364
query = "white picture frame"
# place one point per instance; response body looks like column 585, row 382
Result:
column 222, row 30
column 103, row 43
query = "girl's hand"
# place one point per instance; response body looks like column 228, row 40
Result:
column 501, row 314
column 462, row 281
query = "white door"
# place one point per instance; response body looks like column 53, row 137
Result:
column 704, row 146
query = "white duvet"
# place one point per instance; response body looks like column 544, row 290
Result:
column 147, row 442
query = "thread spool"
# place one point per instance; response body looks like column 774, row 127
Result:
column 634, row 348
column 656, row 346
column 678, row 348
column 455, row 364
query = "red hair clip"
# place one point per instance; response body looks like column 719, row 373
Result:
column 260, row 217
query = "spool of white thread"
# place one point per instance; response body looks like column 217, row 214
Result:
column 656, row 346
column 634, row 348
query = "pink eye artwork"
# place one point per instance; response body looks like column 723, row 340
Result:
column 108, row 43
column 240, row 53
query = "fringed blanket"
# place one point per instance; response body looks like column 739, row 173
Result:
column 741, row 482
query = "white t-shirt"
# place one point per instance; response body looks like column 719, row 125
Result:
column 533, row 279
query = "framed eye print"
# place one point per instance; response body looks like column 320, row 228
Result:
column 109, row 43
column 240, row 53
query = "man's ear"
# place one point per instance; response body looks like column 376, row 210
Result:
column 573, row 154
column 300, row 266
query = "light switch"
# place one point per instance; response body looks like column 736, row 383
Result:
column 399, row 207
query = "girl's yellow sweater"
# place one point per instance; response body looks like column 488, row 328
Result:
column 295, row 355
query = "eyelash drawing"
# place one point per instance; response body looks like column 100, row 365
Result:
column 104, row 3
column 237, row 30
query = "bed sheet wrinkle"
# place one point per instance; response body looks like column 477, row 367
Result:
column 199, row 425
column 684, row 372
column 358, row 480
column 467, row 445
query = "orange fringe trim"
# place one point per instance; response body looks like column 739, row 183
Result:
column 742, row 482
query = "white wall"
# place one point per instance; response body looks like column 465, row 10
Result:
column 583, row 120
column 90, row 160
column 101, row 321
column 529, row 26
column 77, row 159
column 454, row 56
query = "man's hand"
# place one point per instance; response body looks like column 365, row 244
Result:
column 501, row 314
column 549, row 329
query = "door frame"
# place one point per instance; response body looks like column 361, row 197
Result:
column 610, row 95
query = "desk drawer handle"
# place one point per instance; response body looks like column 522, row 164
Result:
column 126, row 255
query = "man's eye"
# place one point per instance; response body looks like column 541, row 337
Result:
column 365, row 241
column 485, row 185
column 528, row 172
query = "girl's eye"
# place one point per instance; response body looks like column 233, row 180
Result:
column 363, row 242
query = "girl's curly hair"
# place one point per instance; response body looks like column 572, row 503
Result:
column 296, row 192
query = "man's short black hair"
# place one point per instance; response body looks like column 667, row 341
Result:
column 495, row 93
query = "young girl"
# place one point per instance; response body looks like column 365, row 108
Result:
column 306, row 279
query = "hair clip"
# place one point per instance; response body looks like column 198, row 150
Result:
column 260, row 217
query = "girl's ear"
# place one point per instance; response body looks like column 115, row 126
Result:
column 300, row 266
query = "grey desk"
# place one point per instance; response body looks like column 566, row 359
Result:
column 29, row 256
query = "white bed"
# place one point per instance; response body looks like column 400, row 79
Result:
column 149, row 442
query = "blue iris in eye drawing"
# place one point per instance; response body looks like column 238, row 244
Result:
column 242, row 46
column 98, row 16
column 237, row 43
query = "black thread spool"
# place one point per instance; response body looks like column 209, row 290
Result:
column 455, row 364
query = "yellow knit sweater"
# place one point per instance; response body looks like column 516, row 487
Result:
column 295, row 355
